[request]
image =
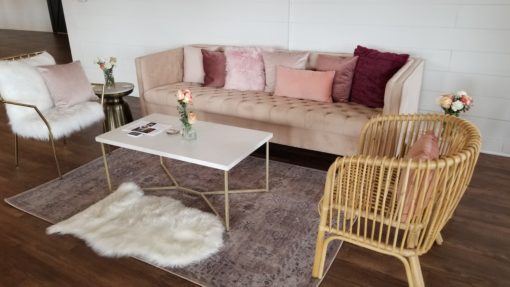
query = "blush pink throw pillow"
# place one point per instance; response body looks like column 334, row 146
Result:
column 214, row 68
column 245, row 69
column 304, row 84
column 373, row 70
column 344, row 71
column 68, row 84
column 425, row 148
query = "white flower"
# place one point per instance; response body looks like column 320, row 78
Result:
column 461, row 93
column 113, row 60
column 180, row 95
column 108, row 65
column 457, row 106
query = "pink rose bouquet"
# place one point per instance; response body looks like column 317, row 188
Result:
column 184, row 98
column 453, row 104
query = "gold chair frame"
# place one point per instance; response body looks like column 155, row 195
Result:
column 50, row 133
column 365, row 195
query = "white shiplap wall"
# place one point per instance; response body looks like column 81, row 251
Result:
column 32, row 15
column 465, row 43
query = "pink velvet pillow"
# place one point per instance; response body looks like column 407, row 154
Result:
column 68, row 84
column 245, row 69
column 304, row 84
column 344, row 71
column 372, row 72
column 214, row 68
column 425, row 148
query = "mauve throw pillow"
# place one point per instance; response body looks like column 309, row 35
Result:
column 344, row 71
column 214, row 68
column 194, row 65
column 295, row 60
column 373, row 70
column 68, row 84
column 425, row 148
column 304, row 84
column 245, row 69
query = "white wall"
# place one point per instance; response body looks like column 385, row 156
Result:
column 465, row 43
column 30, row 15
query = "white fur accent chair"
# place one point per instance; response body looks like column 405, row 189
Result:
column 30, row 108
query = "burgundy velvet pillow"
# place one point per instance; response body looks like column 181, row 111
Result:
column 214, row 68
column 373, row 70
column 344, row 71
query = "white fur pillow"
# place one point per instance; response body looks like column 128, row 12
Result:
column 20, row 82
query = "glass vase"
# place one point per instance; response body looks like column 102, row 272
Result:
column 109, row 80
column 189, row 133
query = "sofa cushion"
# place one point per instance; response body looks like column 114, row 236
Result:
column 342, row 118
column 373, row 70
column 194, row 65
column 245, row 69
column 287, row 59
column 214, row 68
column 304, row 84
column 344, row 71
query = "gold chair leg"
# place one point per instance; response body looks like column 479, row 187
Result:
column 318, row 263
column 55, row 156
column 416, row 270
column 439, row 239
column 16, row 157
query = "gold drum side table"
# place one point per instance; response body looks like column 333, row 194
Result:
column 116, row 110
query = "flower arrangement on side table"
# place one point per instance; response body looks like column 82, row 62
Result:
column 107, row 68
column 184, row 98
column 453, row 104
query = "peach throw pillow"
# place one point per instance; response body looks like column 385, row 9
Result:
column 425, row 148
column 304, row 84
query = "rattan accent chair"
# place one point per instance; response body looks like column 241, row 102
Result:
column 365, row 195
column 51, row 119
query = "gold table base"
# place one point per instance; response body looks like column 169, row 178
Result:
column 226, row 192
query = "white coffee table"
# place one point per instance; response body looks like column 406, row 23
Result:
column 217, row 146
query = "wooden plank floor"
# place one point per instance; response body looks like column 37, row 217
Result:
column 476, row 251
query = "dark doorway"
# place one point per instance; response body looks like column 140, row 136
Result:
column 58, row 22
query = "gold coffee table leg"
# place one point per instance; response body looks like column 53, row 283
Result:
column 106, row 168
column 227, row 204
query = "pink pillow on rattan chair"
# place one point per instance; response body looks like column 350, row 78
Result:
column 425, row 148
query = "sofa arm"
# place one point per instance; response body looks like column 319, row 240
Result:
column 159, row 69
column 402, row 94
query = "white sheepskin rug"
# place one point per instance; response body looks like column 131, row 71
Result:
column 160, row 230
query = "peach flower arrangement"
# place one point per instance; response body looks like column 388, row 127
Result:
column 187, row 118
column 453, row 104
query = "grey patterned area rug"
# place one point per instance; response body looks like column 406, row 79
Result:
column 272, row 237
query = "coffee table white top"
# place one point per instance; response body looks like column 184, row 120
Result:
column 217, row 146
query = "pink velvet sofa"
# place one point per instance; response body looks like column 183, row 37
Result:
column 326, row 127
